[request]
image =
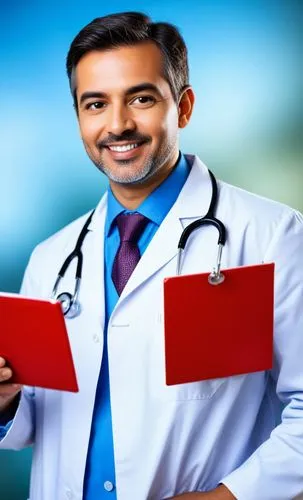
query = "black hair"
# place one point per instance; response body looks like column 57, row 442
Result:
column 131, row 28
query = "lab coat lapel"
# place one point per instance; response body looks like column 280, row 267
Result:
column 95, row 283
column 90, row 322
column 192, row 203
column 86, row 337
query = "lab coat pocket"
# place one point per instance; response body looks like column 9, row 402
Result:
column 203, row 389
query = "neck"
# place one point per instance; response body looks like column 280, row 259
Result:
column 132, row 195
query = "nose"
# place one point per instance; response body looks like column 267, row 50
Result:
column 119, row 120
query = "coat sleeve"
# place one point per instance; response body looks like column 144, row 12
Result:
column 22, row 429
column 275, row 470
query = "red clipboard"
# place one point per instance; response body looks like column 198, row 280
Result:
column 214, row 331
column 34, row 342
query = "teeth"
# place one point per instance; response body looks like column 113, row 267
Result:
column 122, row 149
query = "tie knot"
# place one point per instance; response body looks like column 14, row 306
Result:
column 130, row 226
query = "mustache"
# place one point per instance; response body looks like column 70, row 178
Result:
column 126, row 136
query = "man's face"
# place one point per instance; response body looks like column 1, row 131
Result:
column 127, row 115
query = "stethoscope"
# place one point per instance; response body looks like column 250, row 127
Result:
column 69, row 301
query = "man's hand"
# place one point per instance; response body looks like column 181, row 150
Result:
column 8, row 391
column 220, row 493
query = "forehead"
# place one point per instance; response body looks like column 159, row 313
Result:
column 120, row 68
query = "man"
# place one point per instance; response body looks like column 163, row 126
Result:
column 126, row 434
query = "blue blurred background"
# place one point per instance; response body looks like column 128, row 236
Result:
column 246, row 69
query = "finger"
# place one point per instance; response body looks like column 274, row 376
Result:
column 2, row 362
column 5, row 374
column 7, row 390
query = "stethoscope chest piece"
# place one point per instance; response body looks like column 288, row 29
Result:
column 69, row 306
column 216, row 278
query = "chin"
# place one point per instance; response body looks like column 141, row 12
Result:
column 128, row 180
column 127, row 174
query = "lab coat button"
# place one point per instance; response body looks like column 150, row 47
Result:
column 96, row 339
column 108, row 486
column 68, row 494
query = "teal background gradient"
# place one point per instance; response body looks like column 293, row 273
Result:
column 246, row 68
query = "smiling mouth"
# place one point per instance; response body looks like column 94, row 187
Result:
column 124, row 148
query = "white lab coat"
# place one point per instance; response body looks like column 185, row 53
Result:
column 170, row 440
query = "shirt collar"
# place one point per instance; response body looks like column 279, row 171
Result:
column 157, row 205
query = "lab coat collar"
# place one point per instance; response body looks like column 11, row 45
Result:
column 99, row 215
column 194, row 199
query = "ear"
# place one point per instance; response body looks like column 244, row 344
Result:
column 186, row 104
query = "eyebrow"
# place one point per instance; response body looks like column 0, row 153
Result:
column 141, row 87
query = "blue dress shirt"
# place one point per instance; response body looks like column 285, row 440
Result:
column 5, row 424
column 100, row 469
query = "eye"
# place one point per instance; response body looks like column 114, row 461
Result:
column 94, row 106
column 144, row 101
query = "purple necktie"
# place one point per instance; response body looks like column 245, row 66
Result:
column 130, row 228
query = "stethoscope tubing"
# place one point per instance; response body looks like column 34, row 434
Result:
column 70, row 303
